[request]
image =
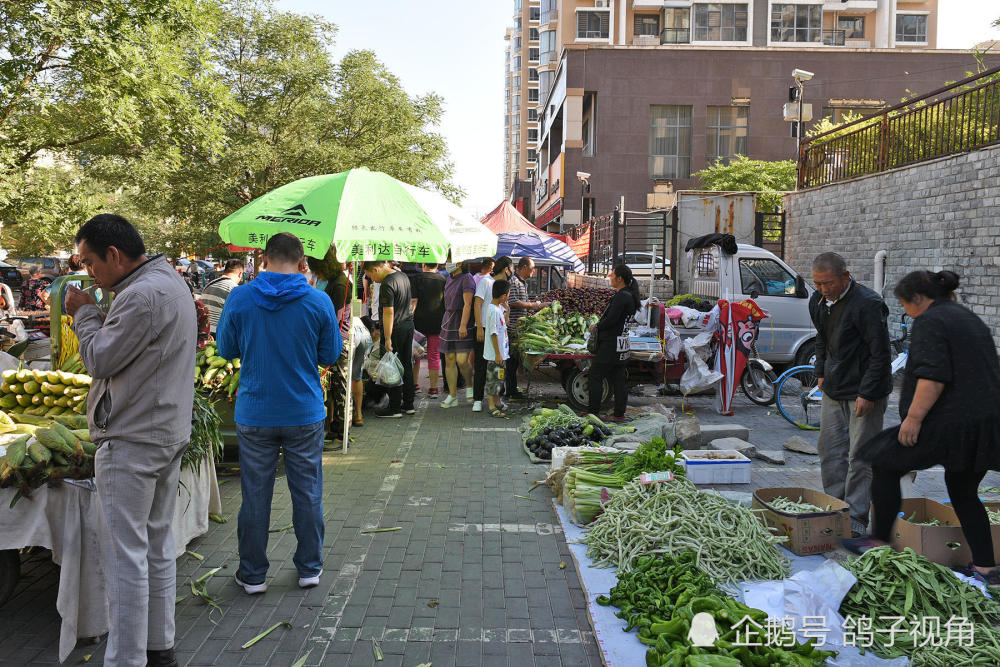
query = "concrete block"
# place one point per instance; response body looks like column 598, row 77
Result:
column 775, row 456
column 710, row 432
column 688, row 432
column 797, row 443
column 742, row 446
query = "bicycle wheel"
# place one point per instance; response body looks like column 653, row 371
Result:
column 798, row 399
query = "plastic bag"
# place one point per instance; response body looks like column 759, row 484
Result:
column 389, row 372
column 371, row 363
column 697, row 375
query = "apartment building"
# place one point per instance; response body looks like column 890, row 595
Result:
column 635, row 92
column 521, row 100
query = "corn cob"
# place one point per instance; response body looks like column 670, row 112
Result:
column 39, row 453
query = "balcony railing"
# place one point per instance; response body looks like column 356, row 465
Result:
column 547, row 17
column 962, row 117
column 834, row 37
column 675, row 36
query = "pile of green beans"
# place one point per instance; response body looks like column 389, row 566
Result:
column 729, row 542
column 894, row 584
column 659, row 599
column 783, row 504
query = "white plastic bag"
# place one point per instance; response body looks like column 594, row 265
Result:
column 697, row 376
column 389, row 372
column 371, row 363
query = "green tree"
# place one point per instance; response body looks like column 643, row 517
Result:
column 742, row 174
column 297, row 113
column 106, row 75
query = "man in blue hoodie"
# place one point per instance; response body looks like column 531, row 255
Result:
column 282, row 330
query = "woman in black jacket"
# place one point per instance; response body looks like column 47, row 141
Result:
column 612, row 342
column 950, row 406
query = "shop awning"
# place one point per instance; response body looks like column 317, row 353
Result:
column 538, row 247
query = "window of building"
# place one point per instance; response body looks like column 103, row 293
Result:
column 588, row 130
column 517, row 81
column 517, row 121
column 547, row 47
column 676, row 26
column 716, row 22
column 532, row 94
column 533, row 54
column 532, row 74
column 911, row 28
column 532, row 155
column 517, row 141
column 532, row 34
column 517, row 24
column 669, row 141
column 532, row 115
column 853, row 26
column 506, row 94
column 517, row 43
column 647, row 25
column 517, row 62
column 726, row 132
column 533, row 136
column 593, row 24
column 796, row 23
column 534, row 13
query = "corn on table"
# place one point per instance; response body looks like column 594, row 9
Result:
column 66, row 518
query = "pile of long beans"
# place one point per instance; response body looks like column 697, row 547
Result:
column 790, row 506
column 729, row 542
column 905, row 584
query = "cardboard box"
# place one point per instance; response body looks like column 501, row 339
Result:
column 807, row 534
column 944, row 543
column 704, row 470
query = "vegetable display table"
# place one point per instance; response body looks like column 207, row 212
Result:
column 66, row 518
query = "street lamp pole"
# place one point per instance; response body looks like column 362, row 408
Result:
column 798, row 127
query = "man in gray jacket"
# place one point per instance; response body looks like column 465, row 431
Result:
column 141, row 356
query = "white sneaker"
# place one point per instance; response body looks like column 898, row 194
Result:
column 251, row 589
column 469, row 393
column 477, row 406
column 449, row 402
column 310, row 582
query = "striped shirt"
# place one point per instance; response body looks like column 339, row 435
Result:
column 518, row 294
column 214, row 297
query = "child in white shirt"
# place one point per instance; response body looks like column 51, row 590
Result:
column 496, row 349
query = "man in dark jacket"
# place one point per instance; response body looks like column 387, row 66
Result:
column 852, row 367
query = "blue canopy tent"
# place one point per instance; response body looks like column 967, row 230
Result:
column 548, row 249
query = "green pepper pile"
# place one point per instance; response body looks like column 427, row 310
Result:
column 661, row 596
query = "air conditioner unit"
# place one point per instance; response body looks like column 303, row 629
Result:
column 601, row 3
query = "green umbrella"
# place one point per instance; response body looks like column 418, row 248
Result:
column 366, row 215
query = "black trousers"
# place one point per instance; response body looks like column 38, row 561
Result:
column 613, row 372
column 479, row 373
column 510, row 369
column 402, row 345
column 963, row 487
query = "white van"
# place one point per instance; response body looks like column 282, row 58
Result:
column 787, row 336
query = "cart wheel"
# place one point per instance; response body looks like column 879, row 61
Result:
column 578, row 390
column 10, row 571
column 758, row 384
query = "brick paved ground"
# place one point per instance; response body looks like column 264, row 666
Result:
column 471, row 578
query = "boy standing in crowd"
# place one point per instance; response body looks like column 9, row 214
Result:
column 496, row 350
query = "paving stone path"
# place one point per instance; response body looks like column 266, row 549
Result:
column 472, row 576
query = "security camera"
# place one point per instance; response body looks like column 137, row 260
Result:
column 582, row 176
column 801, row 75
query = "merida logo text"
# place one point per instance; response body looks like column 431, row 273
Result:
column 294, row 214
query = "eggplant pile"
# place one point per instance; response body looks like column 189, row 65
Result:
column 574, row 435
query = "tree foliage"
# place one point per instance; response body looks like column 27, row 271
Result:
column 742, row 174
column 213, row 116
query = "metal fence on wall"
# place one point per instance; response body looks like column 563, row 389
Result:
column 643, row 240
column 958, row 118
